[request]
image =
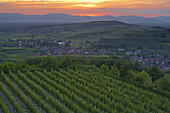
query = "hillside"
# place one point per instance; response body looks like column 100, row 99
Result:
column 150, row 38
column 74, row 91
column 59, row 28
column 78, row 85
column 104, row 34
column 80, row 32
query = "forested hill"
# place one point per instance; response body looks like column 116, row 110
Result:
column 60, row 28
column 77, row 27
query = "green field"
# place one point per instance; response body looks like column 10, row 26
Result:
column 92, row 56
column 15, row 54
column 105, row 34
column 75, row 91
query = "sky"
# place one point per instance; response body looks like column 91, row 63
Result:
column 145, row 8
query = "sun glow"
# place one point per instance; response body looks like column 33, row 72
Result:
column 87, row 7
column 68, row 1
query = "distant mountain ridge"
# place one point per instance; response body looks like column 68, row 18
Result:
column 65, row 18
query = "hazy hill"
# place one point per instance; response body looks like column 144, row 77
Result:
column 15, row 17
column 64, row 18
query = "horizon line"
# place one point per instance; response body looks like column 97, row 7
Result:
column 84, row 15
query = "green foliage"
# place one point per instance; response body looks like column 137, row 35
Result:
column 162, row 83
column 105, row 68
column 115, row 71
column 80, row 91
column 16, row 53
column 144, row 78
column 21, row 65
column 3, row 106
column 10, row 97
column 138, row 66
column 49, row 63
column 124, row 68
column 2, row 57
column 21, row 95
column 108, row 62
column 66, row 62
column 131, row 75
column 6, row 66
column 126, row 71
column 14, row 67
column 33, row 60
column 84, row 67
column 27, row 91
column 155, row 73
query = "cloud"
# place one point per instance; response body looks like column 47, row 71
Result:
column 4, row 4
column 146, row 8
column 138, row 11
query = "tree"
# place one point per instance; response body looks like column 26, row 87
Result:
column 138, row 66
column 162, row 83
column 66, row 62
column 155, row 73
column 105, row 68
column 131, row 75
column 49, row 63
column 144, row 78
column 124, row 68
column 115, row 70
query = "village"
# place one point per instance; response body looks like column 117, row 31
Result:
column 59, row 47
column 148, row 58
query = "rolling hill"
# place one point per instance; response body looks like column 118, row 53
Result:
column 105, row 34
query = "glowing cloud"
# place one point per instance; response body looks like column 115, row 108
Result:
column 147, row 8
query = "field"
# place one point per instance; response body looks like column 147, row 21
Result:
column 105, row 34
column 75, row 32
column 75, row 91
column 93, row 56
column 16, row 53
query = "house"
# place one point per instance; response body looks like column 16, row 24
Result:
column 61, row 43
column 129, row 53
column 120, row 49
column 161, row 56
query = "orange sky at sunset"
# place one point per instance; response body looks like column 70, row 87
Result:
column 147, row 8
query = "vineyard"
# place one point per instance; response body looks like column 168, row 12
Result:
column 75, row 92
